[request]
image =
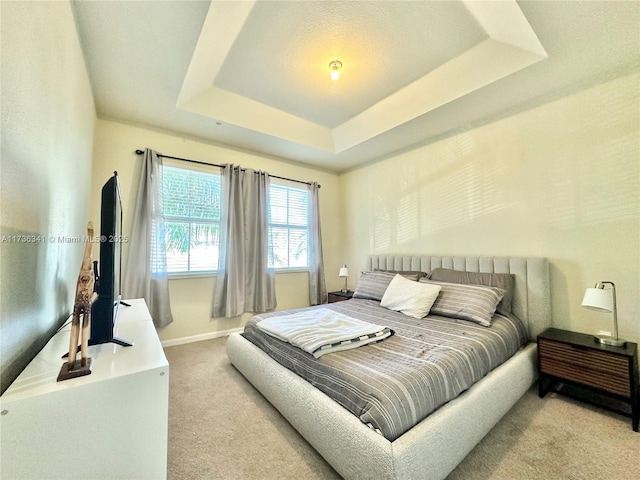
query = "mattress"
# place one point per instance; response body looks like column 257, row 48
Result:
column 394, row 384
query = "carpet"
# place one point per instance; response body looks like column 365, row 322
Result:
column 220, row 427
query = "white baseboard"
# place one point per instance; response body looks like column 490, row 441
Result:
column 198, row 338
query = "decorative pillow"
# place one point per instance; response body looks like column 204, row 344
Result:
column 411, row 298
column 476, row 303
column 505, row 281
column 372, row 285
column 405, row 273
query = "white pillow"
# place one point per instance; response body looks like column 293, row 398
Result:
column 409, row 297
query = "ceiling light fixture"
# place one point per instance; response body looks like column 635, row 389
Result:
column 335, row 67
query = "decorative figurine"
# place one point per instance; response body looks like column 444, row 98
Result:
column 73, row 368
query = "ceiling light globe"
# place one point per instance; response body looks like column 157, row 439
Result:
column 335, row 67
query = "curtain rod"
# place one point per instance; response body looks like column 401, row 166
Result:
column 140, row 152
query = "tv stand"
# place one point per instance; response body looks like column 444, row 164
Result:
column 118, row 341
column 120, row 411
column 104, row 332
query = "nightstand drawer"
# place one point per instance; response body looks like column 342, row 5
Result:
column 589, row 367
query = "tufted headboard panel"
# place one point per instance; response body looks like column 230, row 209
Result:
column 531, row 298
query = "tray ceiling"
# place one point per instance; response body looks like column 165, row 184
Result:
column 255, row 75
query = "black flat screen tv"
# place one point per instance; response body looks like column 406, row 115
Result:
column 104, row 311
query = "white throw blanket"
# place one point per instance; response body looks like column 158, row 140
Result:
column 320, row 331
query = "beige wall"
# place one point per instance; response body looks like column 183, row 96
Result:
column 47, row 135
column 115, row 144
column 560, row 181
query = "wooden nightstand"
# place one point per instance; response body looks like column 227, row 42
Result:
column 339, row 296
column 577, row 359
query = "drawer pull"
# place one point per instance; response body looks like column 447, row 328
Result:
column 580, row 347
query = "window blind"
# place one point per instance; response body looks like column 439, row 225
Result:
column 192, row 206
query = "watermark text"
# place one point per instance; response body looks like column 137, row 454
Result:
column 65, row 239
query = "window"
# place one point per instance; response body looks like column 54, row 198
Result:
column 288, row 227
column 192, row 205
column 192, row 208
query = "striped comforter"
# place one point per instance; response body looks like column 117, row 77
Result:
column 394, row 384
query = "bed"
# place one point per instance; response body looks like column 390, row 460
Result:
column 432, row 448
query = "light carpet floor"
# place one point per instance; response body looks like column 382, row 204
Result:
column 220, row 427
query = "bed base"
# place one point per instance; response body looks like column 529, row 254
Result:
column 434, row 447
column 430, row 450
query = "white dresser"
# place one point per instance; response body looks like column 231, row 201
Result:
column 111, row 424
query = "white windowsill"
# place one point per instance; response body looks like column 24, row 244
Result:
column 188, row 276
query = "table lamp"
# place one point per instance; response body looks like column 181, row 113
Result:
column 344, row 272
column 604, row 300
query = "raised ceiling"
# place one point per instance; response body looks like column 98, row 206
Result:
column 255, row 75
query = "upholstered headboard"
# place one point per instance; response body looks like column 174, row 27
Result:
column 531, row 298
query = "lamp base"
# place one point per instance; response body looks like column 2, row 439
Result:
column 607, row 340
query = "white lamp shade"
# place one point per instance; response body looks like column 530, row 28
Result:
column 598, row 299
column 344, row 272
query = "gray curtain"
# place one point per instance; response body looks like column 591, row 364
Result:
column 146, row 274
column 244, row 282
column 317, row 286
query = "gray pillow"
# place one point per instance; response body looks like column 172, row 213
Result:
column 372, row 285
column 505, row 281
column 404, row 273
column 476, row 303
